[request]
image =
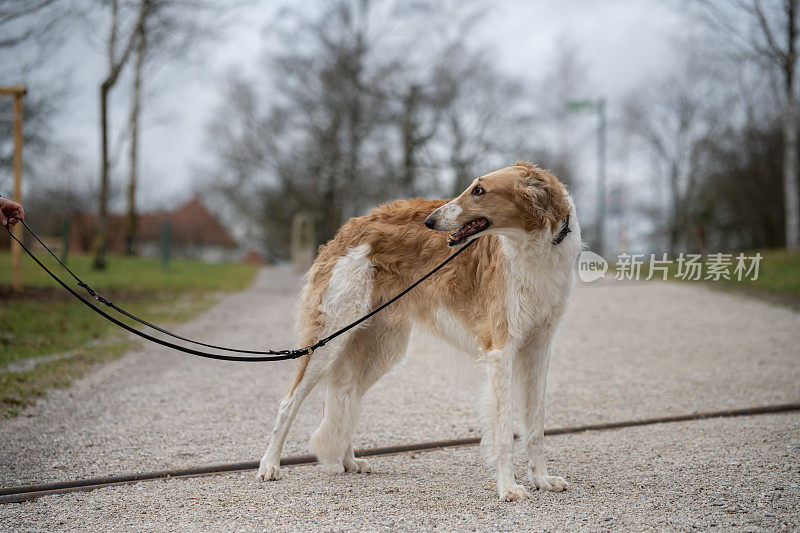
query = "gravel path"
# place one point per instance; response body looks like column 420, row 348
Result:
column 733, row 473
column 625, row 351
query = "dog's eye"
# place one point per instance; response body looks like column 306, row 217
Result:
column 477, row 190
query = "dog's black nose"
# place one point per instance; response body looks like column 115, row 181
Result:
column 430, row 222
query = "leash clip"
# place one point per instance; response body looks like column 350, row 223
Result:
column 97, row 296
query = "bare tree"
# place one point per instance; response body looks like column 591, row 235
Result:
column 564, row 81
column 330, row 95
column 351, row 122
column 30, row 23
column 415, row 135
column 670, row 121
column 141, row 49
column 738, row 204
column 768, row 31
column 171, row 30
column 422, row 89
column 30, row 33
column 116, row 62
column 485, row 122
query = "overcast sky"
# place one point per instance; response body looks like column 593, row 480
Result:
column 621, row 41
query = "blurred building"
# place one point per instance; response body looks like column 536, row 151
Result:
column 194, row 233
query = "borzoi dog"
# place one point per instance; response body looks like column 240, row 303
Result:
column 501, row 302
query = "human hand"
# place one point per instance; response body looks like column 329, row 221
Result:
column 9, row 209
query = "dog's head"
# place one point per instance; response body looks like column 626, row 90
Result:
column 519, row 198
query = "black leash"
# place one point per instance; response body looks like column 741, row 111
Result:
column 266, row 355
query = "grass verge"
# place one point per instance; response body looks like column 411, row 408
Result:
column 779, row 274
column 19, row 389
column 43, row 320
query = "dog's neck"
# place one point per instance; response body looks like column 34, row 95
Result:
column 524, row 244
column 538, row 275
column 562, row 246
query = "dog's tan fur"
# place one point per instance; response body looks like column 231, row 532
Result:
column 523, row 196
column 473, row 288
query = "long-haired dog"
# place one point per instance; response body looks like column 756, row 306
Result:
column 500, row 301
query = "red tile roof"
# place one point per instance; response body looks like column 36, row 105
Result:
column 190, row 224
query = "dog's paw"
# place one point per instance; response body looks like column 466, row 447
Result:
column 360, row 466
column 513, row 493
column 268, row 472
column 553, row 483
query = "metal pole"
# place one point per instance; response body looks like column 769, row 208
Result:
column 600, row 223
column 16, row 250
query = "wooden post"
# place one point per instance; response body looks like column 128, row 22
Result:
column 303, row 246
column 16, row 252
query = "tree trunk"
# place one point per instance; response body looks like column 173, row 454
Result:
column 409, row 132
column 330, row 209
column 355, row 121
column 677, row 211
column 114, row 69
column 130, row 234
column 457, row 160
column 463, row 177
column 102, row 210
column 790, row 192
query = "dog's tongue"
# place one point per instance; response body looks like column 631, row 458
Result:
column 456, row 235
column 464, row 230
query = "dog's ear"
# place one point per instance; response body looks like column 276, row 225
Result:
column 544, row 200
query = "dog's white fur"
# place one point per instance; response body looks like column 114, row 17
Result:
column 538, row 277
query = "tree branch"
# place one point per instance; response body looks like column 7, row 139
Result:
column 779, row 54
column 116, row 67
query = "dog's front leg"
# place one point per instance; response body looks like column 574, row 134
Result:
column 498, row 424
column 530, row 373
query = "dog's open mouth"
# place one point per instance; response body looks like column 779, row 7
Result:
column 466, row 231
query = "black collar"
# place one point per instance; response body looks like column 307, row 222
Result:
column 563, row 233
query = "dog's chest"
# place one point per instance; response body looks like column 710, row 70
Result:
column 536, row 294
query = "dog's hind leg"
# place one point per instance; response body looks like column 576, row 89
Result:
column 309, row 372
column 351, row 464
column 323, row 310
column 371, row 353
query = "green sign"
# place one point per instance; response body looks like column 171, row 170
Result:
column 581, row 105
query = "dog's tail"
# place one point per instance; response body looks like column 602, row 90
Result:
column 302, row 364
